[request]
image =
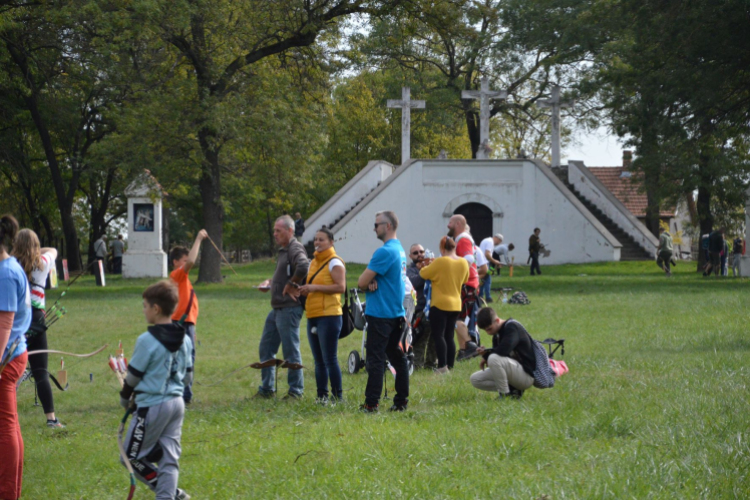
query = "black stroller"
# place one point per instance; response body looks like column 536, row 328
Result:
column 355, row 363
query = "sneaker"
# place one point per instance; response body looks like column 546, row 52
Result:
column 181, row 495
column 263, row 395
column 489, row 300
column 442, row 371
column 292, row 397
column 55, row 424
column 469, row 352
column 322, row 401
column 515, row 393
column 396, row 407
column 365, row 408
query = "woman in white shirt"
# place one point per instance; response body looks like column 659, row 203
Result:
column 37, row 263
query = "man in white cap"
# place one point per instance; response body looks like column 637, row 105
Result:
column 487, row 246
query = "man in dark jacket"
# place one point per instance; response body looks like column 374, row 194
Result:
column 511, row 361
column 715, row 247
column 282, row 323
column 535, row 246
column 299, row 226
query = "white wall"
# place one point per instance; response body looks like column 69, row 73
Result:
column 521, row 196
column 353, row 191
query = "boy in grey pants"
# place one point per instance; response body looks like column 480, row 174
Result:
column 159, row 369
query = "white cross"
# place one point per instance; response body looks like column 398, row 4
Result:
column 555, row 103
column 484, row 95
column 406, row 105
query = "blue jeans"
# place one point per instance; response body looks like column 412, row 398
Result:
column 187, row 393
column 281, row 329
column 485, row 291
column 324, row 345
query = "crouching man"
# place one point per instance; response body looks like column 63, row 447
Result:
column 510, row 362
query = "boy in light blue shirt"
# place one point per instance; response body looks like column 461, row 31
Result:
column 159, row 369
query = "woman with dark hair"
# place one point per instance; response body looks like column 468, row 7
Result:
column 447, row 274
column 15, row 318
column 325, row 283
column 37, row 263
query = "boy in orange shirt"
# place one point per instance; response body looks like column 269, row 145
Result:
column 187, row 308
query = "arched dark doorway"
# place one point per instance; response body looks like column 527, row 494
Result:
column 479, row 217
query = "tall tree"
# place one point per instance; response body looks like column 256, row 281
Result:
column 219, row 44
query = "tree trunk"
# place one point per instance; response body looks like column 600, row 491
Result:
column 472, row 126
column 64, row 199
column 213, row 210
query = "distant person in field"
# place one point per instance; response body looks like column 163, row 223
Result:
column 325, row 283
column 487, row 247
column 37, row 263
column 159, row 370
column 502, row 253
column 281, row 328
column 100, row 250
column 725, row 258
column 508, row 367
column 187, row 307
column 299, row 226
column 715, row 247
column 535, row 246
column 737, row 247
column 465, row 249
column 15, row 319
column 118, row 248
column 384, row 279
column 664, row 251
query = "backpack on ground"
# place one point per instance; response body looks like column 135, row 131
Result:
column 544, row 375
column 519, row 298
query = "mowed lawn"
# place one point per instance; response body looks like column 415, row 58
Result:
column 655, row 404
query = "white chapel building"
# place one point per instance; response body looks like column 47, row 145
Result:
column 580, row 220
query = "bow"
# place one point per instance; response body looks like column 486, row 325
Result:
column 52, row 351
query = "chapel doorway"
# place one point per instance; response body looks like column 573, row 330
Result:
column 479, row 218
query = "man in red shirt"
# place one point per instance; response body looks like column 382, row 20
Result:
column 182, row 262
column 465, row 248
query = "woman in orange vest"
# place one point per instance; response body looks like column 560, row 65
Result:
column 326, row 281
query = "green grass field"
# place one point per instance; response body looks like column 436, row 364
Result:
column 655, row 404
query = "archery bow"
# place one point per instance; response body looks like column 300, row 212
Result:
column 120, row 367
column 52, row 351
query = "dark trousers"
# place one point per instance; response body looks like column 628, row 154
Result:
column 187, row 392
column 535, row 263
column 443, row 323
column 117, row 265
column 424, row 347
column 663, row 260
column 383, row 335
column 38, row 341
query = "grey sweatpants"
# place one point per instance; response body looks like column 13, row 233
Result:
column 500, row 373
column 154, row 438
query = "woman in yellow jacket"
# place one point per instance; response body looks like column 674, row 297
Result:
column 447, row 274
column 325, row 283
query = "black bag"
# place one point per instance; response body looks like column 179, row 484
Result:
column 303, row 298
column 347, row 319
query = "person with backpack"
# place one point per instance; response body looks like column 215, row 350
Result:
column 323, row 288
column 510, row 362
column 736, row 255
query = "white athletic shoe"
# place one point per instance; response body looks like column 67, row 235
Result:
column 181, row 495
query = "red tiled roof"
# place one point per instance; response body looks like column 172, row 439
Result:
column 627, row 190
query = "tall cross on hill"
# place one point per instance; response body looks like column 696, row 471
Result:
column 406, row 105
column 484, row 94
column 555, row 103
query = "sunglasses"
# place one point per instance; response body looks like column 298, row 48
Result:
column 379, row 223
column 417, row 252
